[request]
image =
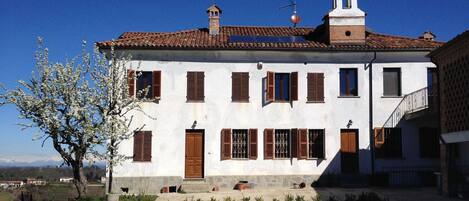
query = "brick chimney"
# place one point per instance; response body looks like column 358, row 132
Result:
column 428, row 35
column 214, row 13
column 345, row 24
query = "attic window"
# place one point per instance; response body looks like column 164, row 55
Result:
column 267, row 39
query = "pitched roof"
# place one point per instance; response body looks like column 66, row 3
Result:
column 200, row 39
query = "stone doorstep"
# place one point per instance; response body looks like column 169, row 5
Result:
column 195, row 186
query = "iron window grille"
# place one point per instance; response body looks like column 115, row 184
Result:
column 282, row 143
column 240, row 144
column 316, row 143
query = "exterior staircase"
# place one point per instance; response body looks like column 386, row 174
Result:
column 195, row 186
column 413, row 105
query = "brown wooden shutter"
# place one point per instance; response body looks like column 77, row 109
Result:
column 200, row 86
column 294, row 142
column 225, row 144
column 244, row 93
column 253, row 143
column 131, row 82
column 379, row 137
column 156, row 84
column 191, row 86
column 147, row 145
column 294, row 86
column 303, row 144
column 320, row 87
column 315, row 87
column 268, row 144
column 236, row 85
column 138, row 146
column 270, row 95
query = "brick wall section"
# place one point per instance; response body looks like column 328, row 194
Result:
column 453, row 65
column 452, row 60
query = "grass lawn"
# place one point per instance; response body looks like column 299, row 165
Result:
column 5, row 196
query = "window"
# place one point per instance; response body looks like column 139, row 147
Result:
column 282, row 87
column 240, row 87
column 148, row 84
column 392, row 82
column 282, row 143
column 293, row 143
column 142, row 146
column 348, row 82
column 195, row 86
column 315, row 87
column 239, row 144
column 388, row 143
column 429, row 141
column 316, row 143
column 432, row 81
column 144, row 82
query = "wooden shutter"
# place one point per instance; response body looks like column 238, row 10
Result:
column 253, row 143
column 268, row 144
column 131, row 82
column 147, row 145
column 294, row 143
column 303, row 144
column 244, row 93
column 138, row 146
column 379, row 137
column 235, row 86
column 270, row 95
column 294, row 86
column 191, row 86
column 156, row 84
column 225, row 144
column 315, row 87
column 200, row 86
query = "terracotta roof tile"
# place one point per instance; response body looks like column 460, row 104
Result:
column 201, row 39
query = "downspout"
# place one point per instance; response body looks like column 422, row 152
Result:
column 372, row 136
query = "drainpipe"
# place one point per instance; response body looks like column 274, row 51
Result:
column 372, row 136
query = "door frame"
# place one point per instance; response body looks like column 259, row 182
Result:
column 357, row 136
column 201, row 132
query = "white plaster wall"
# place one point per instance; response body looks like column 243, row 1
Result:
column 174, row 115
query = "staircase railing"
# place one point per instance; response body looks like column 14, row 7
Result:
column 413, row 102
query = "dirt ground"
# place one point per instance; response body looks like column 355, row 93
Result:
column 407, row 194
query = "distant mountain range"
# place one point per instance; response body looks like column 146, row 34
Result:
column 35, row 161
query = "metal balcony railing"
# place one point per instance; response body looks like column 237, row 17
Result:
column 416, row 101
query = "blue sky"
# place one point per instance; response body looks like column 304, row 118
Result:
column 64, row 24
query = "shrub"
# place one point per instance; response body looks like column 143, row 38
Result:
column 259, row 199
column 300, row 198
column 289, row 198
column 316, row 198
column 228, row 199
column 213, row 199
column 92, row 199
column 137, row 197
column 246, row 198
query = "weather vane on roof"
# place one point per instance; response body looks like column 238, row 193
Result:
column 295, row 18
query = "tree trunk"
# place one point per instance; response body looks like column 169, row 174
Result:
column 79, row 179
column 111, row 165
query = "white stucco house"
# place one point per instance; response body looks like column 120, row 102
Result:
column 279, row 105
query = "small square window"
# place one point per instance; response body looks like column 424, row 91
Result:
column 240, row 144
column 282, row 143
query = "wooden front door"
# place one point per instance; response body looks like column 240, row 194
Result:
column 194, row 167
column 349, row 151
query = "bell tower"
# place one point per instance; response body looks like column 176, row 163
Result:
column 345, row 23
column 214, row 13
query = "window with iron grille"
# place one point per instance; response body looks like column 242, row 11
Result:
column 240, row 144
column 282, row 143
column 316, row 143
